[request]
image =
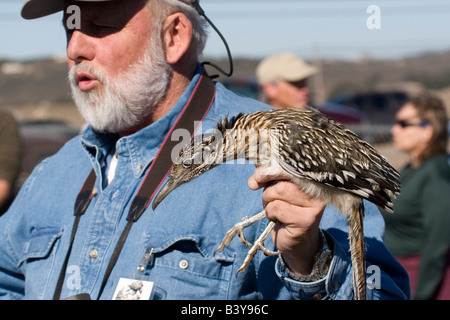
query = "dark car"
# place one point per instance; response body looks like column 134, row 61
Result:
column 244, row 86
column 379, row 107
column 342, row 113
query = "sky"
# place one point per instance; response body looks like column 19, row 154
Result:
column 257, row 28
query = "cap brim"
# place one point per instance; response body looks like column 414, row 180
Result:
column 33, row 9
column 306, row 72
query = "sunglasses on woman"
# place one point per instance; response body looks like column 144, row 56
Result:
column 405, row 124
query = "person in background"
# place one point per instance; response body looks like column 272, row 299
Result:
column 284, row 80
column 418, row 232
column 10, row 158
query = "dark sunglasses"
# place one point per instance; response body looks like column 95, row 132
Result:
column 299, row 84
column 405, row 124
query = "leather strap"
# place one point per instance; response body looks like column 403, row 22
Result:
column 195, row 110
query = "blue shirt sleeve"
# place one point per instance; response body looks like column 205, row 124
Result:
column 386, row 279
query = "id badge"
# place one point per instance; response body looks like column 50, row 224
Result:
column 134, row 289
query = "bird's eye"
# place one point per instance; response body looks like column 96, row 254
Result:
column 187, row 163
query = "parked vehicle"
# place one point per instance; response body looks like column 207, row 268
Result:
column 342, row 113
column 379, row 107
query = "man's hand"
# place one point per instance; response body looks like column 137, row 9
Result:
column 296, row 234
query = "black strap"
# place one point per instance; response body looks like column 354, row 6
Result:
column 81, row 203
column 195, row 110
column 115, row 255
column 62, row 274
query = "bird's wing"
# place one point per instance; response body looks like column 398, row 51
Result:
column 321, row 150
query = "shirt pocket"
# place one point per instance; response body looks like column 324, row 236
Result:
column 185, row 268
column 38, row 258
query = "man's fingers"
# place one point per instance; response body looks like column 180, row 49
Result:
column 261, row 179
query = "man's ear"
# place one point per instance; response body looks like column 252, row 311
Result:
column 177, row 36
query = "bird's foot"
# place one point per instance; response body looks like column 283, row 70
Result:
column 259, row 245
column 238, row 229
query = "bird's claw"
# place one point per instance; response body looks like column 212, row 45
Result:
column 259, row 245
column 238, row 229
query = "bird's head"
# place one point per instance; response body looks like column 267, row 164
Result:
column 202, row 155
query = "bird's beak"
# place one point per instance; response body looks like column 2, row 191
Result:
column 163, row 192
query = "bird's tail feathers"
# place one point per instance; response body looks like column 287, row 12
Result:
column 358, row 252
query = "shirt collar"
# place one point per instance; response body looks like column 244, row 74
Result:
column 140, row 147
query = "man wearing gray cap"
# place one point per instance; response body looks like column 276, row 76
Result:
column 283, row 78
column 82, row 226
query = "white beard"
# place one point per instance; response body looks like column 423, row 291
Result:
column 127, row 99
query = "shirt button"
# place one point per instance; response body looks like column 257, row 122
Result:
column 140, row 268
column 93, row 254
column 184, row 264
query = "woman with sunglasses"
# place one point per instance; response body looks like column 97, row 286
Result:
column 418, row 233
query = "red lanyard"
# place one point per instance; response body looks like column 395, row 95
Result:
column 196, row 109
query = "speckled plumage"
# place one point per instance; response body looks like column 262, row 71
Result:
column 321, row 156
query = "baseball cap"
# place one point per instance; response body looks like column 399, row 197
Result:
column 33, row 9
column 285, row 66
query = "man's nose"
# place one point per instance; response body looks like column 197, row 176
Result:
column 80, row 47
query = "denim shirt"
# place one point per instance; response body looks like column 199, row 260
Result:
column 181, row 234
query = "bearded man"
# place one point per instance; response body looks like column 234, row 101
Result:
column 134, row 71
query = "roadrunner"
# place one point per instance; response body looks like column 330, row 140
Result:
column 326, row 160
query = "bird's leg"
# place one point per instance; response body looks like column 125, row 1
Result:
column 259, row 245
column 239, row 230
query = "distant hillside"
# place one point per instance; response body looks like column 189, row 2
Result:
column 430, row 71
column 44, row 82
column 33, row 82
